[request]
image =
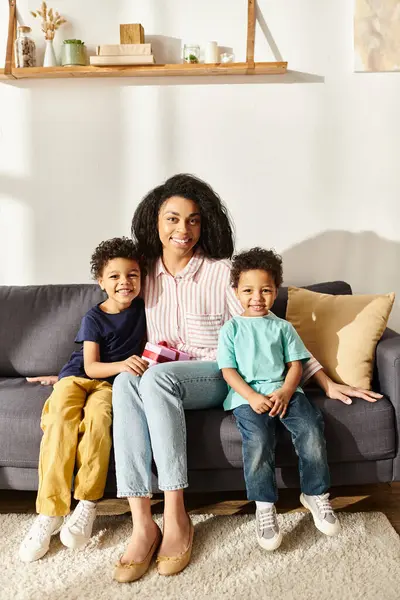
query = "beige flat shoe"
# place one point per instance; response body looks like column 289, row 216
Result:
column 125, row 573
column 171, row 565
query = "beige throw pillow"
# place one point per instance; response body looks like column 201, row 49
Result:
column 341, row 331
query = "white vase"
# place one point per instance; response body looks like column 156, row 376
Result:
column 49, row 55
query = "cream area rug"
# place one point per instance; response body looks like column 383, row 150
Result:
column 362, row 563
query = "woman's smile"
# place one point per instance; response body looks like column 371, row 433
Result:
column 179, row 225
column 186, row 241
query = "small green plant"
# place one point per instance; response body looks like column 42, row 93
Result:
column 192, row 58
column 79, row 42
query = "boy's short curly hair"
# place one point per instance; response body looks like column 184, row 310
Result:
column 122, row 247
column 257, row 259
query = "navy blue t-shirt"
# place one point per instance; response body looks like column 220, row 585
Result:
column 119, row 336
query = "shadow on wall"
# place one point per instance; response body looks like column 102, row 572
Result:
column 368, row 262
column 68, row 200
column 165, row 49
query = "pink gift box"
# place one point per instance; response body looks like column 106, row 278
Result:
column 161, row 353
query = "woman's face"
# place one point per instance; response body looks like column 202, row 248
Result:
column 179, row 225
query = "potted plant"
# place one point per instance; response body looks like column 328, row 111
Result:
column 73, row 53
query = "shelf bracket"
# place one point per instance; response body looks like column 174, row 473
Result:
column 251, row 33
column 12, row 26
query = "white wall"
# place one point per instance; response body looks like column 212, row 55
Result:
column 308, row 168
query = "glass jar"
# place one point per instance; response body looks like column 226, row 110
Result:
column 25, row 49
column 227, row 57
column 191, row 53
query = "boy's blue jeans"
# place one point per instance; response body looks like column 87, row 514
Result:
column 306, row 426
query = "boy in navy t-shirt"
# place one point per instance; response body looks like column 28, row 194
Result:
column 76, row 419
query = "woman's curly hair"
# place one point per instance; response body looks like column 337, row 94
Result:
column 257, row 259
column 122, row 247
column 216, row 237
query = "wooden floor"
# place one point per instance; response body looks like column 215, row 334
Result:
column 383, row 497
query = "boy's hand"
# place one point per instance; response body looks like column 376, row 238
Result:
column 134, row 365
column 43, row 379
column 280, row 399
column 259, row 403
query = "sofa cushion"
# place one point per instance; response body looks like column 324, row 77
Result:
column 341, row 331
column 21, row 405
column 38, row 326
column 39, row 323
column 329, row 287
column 361, row 431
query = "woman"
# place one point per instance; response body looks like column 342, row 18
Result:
column 184, row 231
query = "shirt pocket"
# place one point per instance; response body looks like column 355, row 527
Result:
column 203, row 330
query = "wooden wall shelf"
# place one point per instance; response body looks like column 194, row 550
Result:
column 178, row 70
column 11, row 73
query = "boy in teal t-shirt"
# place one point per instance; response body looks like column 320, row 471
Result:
column 261, row 360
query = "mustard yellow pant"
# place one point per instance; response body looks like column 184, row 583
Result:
column 76, row 422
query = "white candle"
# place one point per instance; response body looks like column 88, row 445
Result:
column 211, row 52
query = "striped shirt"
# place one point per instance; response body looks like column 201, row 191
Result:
column 187, row 311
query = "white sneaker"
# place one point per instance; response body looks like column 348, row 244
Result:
column 322, row 512
column 36, row 543
column 77, row 530
column 269, row 536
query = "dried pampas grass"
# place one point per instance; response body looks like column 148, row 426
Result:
column 51, row 20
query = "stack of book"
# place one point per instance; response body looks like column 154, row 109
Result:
column 122, row 54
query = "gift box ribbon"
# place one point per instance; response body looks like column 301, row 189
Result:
column 165, row 345
column 157, row 357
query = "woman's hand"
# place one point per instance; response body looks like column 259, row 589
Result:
column 43, row 379
column 134, row 365
column 344, row 393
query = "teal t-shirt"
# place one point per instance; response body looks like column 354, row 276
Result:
column 259, row 348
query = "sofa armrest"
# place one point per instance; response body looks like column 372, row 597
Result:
column 388, row 379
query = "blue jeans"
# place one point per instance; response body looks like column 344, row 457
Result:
column 306, row 426
column 149, row 422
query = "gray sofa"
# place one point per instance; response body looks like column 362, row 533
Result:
column 37, row 327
